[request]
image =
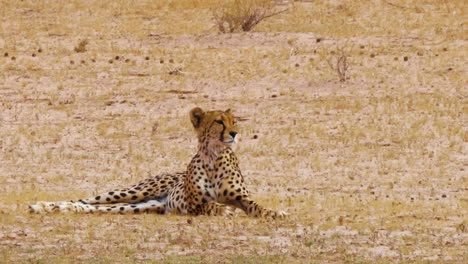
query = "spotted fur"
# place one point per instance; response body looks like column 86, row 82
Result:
column 212, row 184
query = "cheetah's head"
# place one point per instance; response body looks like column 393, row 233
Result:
column 214, row 128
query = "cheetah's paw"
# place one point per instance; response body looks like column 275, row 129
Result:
column 227, row 211
column 281, row 214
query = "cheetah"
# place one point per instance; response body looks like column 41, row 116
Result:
column 212, row 184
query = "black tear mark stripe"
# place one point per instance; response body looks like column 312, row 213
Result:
column 221, row 137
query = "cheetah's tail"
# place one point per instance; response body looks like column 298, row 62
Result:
column 156, row 206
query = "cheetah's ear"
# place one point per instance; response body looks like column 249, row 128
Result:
column 228, row 111
column 196, row 115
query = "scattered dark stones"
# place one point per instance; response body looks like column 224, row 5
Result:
column 171, row 60
column 372, row 55
column 450, row 69
column 39, row 50
column 117, row 57
column 176, row 72
column 254, row 137
column 161, row 61
column 6, row 54
column 34, row 54
column 444, row 196
column 318, row 40
column 420, row 53
column 147, row 58
column 127, row 60
column 13, row 58
column 274, row 96
column 93, row 60
column 395, row 59
column 405, row 58
column 297, row 65
column 83, row 62
column 111, row 61
column 72, row 62
column 362, row 46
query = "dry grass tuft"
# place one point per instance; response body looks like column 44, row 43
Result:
column 244, row 15
column 81, row 47
column 338, row 62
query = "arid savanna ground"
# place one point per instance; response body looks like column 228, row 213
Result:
column 94, row 95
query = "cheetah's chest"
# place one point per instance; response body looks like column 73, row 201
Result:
column 202, row 182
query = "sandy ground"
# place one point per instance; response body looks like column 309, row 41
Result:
column 371, row 170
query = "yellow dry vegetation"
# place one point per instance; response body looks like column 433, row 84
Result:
column 94, row 95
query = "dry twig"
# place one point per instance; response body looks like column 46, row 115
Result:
column 244, row 14
column 339, row 63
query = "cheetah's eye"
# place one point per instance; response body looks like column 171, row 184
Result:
column 219, row 122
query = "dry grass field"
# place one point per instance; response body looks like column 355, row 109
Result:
column 94, row 95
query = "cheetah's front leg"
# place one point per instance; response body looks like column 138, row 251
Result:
column 252, row 208
column 231, row 188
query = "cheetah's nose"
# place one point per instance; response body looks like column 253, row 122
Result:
column 233, row 134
